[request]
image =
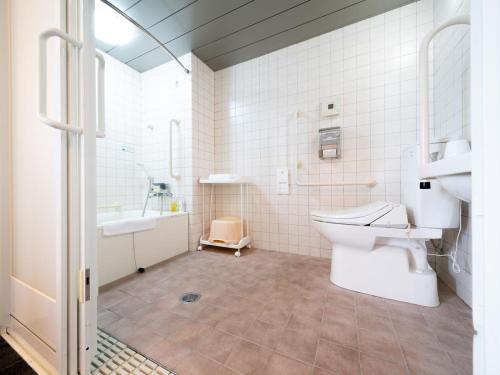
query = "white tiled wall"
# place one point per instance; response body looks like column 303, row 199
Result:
column 166, row 95
column 451, row 70
column 118, row 178
column 169, row 93
column 139, row 108
column 202, row 140
column 371, row 66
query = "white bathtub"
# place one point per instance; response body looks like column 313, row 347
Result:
column 117, row 255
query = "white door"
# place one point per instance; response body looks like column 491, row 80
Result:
column 52, row 70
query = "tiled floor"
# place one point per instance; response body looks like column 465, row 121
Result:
column 276, row 313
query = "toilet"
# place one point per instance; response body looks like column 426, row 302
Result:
column 376, row 250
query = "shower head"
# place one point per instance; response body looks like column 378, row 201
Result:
column 141, row 164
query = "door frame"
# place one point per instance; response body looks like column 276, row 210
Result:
column 5, row 166
column 82, row 303
column 485, row 131
column 87, row 114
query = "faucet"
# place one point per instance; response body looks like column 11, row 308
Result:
column 155, row 189
column 160, row 190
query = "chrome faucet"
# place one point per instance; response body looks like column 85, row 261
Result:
column 159, row 190
column 155, row 189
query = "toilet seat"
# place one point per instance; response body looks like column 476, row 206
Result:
column 369, row 214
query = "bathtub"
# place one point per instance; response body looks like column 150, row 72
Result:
column 120, row 255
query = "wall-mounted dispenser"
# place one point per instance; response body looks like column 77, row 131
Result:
column 329, row 142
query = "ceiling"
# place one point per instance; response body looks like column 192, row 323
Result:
column 226, row 32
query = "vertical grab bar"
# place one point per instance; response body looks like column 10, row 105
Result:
column 171, row 162
column 42, row 78
column 424, row 84
column 101, row 123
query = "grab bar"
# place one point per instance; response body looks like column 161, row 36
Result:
column 369, row 183
column 42, row 78
column 116, row 206
column 171, row 162
column 101, row 124
column 424, row 84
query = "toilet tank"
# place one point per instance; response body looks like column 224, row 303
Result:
column 428, row 204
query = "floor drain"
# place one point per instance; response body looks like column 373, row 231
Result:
column 190, row 297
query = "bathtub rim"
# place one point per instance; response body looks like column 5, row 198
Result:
column 164, row 215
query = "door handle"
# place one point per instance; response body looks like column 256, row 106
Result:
column 101, row 124
column 42, row 78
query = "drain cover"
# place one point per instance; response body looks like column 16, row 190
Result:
column 190, row 297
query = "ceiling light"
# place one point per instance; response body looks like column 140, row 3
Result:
column 110, row 27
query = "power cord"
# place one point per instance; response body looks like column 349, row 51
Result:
column 454, row 253
column 455, row 265
column 139, row 269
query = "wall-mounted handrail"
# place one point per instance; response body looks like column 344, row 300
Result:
column 171, row 162
column 101, row 124
column 117, row 206
column 424, row 83
column 368, row 183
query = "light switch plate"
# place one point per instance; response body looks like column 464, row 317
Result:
column 330, row 106
column 282, row 186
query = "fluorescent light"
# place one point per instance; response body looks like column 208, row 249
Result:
column 110, row 27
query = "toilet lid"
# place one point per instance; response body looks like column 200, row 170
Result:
column 362, row 215
column 354, row 212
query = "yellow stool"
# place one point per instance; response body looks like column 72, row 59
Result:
column 226, row 230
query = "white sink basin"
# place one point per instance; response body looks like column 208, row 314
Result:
column 458, row 185
column 454, row 173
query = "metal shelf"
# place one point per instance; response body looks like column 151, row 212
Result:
column 245, row 240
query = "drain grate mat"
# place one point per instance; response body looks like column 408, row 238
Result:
column 115, row 358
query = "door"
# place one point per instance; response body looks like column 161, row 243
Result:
column 38, row 300
column 52, row 188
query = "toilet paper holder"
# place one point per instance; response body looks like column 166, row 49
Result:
column 329, row 143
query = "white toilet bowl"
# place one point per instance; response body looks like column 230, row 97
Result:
column 376, row 252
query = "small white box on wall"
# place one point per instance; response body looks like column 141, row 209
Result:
column 331, row 106
column 282, row 186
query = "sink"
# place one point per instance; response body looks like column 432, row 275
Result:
column 453, row 170
column 458, row 185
